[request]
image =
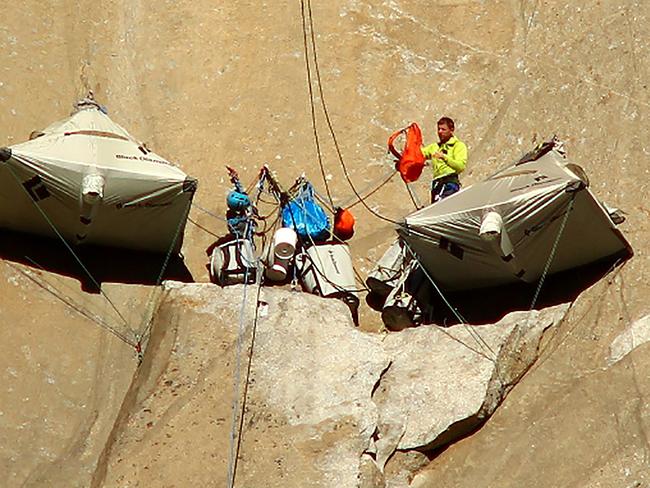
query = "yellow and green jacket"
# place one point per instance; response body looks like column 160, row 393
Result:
column 455, row 159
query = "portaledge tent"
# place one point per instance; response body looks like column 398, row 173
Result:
column 511, row 227
column 89, row 179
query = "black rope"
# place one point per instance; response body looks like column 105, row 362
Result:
column 211, row 214
column 246, row 384
column 470, row 330
column 173, row 243
column 552, row 253
column 312, row 104
column 336, row 238
column 614, row 270
column 415, row 203
column 142, row 338
column 59, row 295
column 313, row 243
column 207, row 231
column 74, row 254
column 329, row 122
column 373, row 191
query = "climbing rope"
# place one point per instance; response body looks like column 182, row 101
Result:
column 313, row 105
column 237, row 412
column 69, row 301
column 413, row 196
column 269, row 227
column 319, row 84
column 543, row 276
column 348, row 203
column 211, row 214
column 375, row 190
column 471, row 331
column 553, row 251
column 319, row 271
column 614, row 270
column 68, row 247
column 242, row 409
column 207, row 231
column 142, row 337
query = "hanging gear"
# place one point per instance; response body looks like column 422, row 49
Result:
column 240, row 215
column 234, row 178
column 233, row 262
column 343, row 224
column 238, row 201
column 411, row 161
column 304, row 215
column 241, row 212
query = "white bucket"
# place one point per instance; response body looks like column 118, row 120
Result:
column 491, row 226
column 493, row 231
column 278, row 270
column 92, row 188
column 284, row 242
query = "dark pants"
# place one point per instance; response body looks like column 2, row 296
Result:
column 444, row 187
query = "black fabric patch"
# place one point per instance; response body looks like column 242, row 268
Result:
column 456, row 251
column 190, row 184
column 36, row 188
column 453, row 248
column 5, row 154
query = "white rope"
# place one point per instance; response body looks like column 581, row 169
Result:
column 553, row 251
column 473, row 333
column 234, row 430
column 67, row 245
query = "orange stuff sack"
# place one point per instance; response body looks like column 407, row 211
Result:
column 411, row 161
column 343, row 224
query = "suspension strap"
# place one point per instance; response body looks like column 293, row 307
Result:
column 553, row 251
column 477, row 337
column 142, row 338
column 74, row 254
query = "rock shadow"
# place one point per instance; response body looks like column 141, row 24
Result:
column 102, row 264
column 489, row 305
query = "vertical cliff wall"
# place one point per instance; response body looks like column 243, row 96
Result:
column 207, row 85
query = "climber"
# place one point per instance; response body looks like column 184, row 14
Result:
column 448, row 158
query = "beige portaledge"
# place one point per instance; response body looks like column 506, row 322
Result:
column 87, row 180
column 508, row 227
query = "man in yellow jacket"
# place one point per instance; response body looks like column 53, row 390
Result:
column 448, row 158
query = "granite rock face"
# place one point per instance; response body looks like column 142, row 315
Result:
column 64, row 376
column 308, row 413
column 207, row 85
column 325, row 402
column 444, row 382
column 635, row 335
